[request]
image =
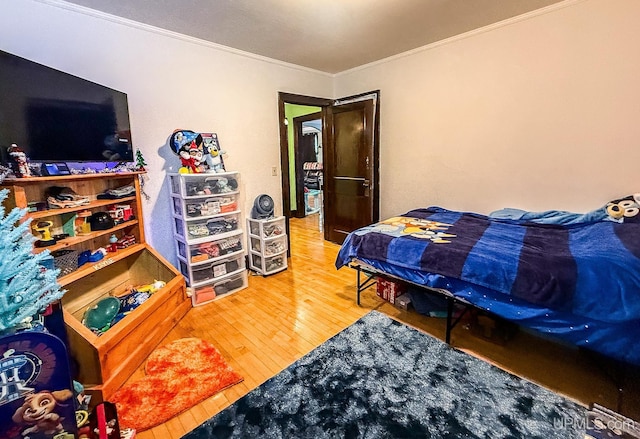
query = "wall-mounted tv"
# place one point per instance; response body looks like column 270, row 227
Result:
column 54, row 116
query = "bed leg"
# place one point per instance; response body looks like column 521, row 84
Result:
column 358, row 287
column 620, row 399
column 620, row 384
column 360, row 284
column 449, row 319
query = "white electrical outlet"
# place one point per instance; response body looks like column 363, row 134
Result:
column 274, row 171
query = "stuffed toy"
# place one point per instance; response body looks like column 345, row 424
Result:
column 188, row 146
column 19, row 163
column 626, row 209
column 213, row 153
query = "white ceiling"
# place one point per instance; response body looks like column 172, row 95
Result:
column 326, row 35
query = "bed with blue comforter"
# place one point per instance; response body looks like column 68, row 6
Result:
column 573, row 276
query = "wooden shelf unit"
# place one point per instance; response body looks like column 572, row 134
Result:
column 105, row 362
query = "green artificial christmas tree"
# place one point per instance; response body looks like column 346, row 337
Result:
column 140, row 163
column 140, row 166
column 26, row 287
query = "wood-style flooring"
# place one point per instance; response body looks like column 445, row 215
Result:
column 263, row 329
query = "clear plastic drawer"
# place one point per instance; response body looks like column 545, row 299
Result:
column 268, row 264
column 202, row 185
column 269, row 246
column 200, row 230
column 219, row 288
column 195, row 253
column 267, row 228
column 205, row 206
column 207, row 271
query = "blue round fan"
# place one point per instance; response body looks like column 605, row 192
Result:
column 262, row 207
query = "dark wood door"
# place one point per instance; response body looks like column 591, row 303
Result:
column 351, row 168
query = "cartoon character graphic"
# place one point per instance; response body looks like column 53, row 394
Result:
column 434, row 231
column 38, row 412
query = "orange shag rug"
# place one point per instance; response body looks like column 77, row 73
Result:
column 178, row 376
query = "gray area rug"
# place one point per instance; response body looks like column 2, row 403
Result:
column 382, row 379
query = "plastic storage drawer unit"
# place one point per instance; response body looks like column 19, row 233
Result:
column 267, row 241
column 210, row 242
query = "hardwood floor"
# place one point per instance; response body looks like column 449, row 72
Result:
column 263, row 329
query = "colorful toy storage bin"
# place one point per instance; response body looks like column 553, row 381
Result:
column 106, row 361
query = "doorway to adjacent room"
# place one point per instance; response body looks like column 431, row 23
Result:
column 329, row 160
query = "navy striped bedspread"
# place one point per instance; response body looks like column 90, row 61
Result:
column 588, row 269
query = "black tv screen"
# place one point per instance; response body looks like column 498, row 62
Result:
column 55, row 116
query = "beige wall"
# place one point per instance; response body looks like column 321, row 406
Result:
column 172, row 82
column 542, row 113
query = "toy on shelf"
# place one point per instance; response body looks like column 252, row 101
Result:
column 198, row 152
column 44, row 227
column 82, row 226
column 140, row 162
column 99, row 316
column 19, row 161
column 213, row 153
column 111, row 309
column 113, row 239
column 103, row 421
column 125, row 241
column 121, row 213
column 188, row 146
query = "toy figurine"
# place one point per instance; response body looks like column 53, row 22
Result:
column 188, row 146
column 44, row 227
column 213, row 153
column 113, row 239
column 19, row 163
column 191, row 158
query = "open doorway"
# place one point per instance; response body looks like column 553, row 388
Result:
column 308, row 167
column 301, row 141
column 304, row 127
column 348, row 155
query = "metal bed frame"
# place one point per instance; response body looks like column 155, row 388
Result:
column 371, row 276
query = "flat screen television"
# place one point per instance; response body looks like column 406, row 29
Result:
column 58, row 117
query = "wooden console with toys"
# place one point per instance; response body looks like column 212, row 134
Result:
column 103, row 362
